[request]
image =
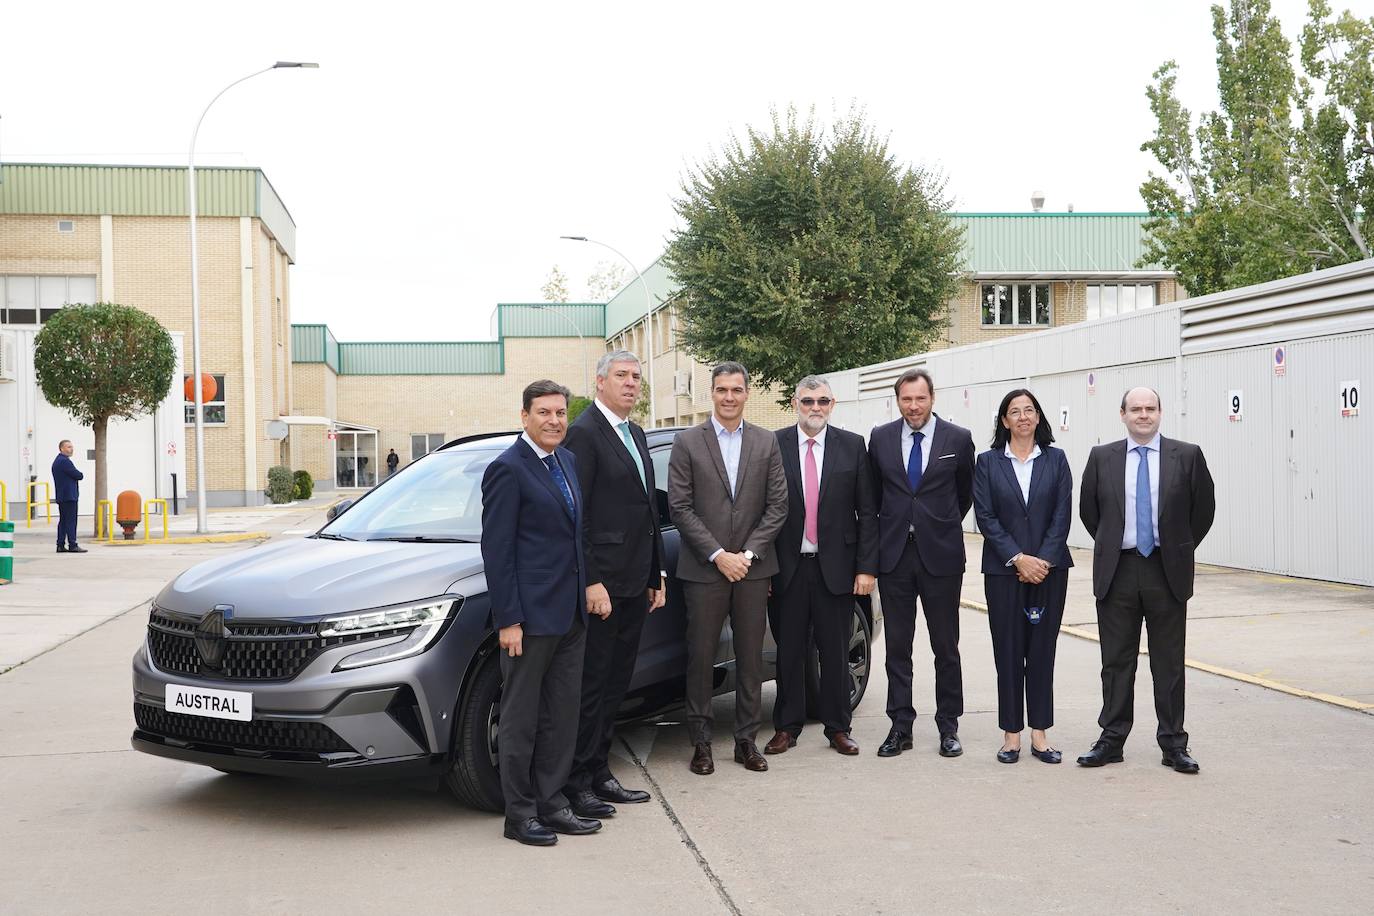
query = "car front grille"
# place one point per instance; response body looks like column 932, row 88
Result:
column 258, row 735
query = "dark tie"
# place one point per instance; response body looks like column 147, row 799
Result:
column 913, row 464
column 562, row 482
column 1144, row 517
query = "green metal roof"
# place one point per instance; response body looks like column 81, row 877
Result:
column 463, row 358
column 550, row 319
column 138, row 190
column 314, row 343
column 1053, row 242
column 627, row 306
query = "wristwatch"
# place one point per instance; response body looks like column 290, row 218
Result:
column 750, row 556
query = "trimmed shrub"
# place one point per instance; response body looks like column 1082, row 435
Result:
column 279, row 483
column 304, row 485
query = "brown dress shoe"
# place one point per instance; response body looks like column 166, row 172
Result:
column 747, row 753
column 702, row 764
column 779, row 743
column 846, row 745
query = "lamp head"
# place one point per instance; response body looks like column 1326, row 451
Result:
column 287, row 64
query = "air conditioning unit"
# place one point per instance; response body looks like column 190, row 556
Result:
column 9, row 356
column 682, row 383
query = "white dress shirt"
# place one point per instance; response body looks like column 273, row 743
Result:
column 538, row 452
column 615, row 422
column 1023, row 469
column 802, row 437
column 1132, row 470
column 730, row 443
column 928, row 431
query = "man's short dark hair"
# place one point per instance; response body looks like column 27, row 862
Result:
column 1159, row 402
column 64, row 442
column 912, row 375
column 542, row 388
column 728, row 368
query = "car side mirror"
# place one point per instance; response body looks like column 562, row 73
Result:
column 337, row 509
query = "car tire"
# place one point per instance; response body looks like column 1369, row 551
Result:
column 860, row 654
column 472, row 776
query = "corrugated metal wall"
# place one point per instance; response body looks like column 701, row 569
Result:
column 552, row 319
column 1052, row 242
column 307, row 343
column 478, row 358
column 75, row 190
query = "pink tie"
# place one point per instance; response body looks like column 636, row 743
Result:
column 811, row 489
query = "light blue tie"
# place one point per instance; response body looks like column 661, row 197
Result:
column 1144, row 517
column 624, row 427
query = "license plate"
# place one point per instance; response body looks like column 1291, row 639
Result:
column 213, row 704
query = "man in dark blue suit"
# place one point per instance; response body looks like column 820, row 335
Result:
column 532, row 548
column 64, row 478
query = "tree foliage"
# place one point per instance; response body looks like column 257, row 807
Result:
column 1272, row 183
column 809, row 250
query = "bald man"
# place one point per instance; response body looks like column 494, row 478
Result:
column 1148, row 502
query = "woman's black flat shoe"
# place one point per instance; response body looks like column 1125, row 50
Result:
column 1049, row 755
column 1009, row 756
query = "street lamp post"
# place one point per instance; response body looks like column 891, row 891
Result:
column 202, row 525
column 581, row 343
column 648, row 319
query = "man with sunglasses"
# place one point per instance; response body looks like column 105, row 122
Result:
column 827, row 553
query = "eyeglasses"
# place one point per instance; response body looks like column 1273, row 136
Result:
column 1017, row 413
column 812, row 402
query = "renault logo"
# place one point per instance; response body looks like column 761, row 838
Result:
column 211, row 636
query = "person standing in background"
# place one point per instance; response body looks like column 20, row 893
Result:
column 65, row 479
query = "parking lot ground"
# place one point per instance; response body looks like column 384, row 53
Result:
column 1277, row 822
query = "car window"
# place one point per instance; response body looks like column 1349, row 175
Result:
column 660, row 459
column 439, row 496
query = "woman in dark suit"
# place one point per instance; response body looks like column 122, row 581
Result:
column 1022, row 498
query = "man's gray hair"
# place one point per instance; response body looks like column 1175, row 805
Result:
column 603, row 365
column 812, row 382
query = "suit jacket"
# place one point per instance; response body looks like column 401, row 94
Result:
column 64, row 479
column 708, row 519
column 936, row 509
column 1187, row 505
column 1011, row 524
column 846, row 517
column 531, row 546
column 621, row 544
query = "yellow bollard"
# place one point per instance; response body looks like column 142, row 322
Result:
column 104, row 512
column 31, row 502
column 146, row 504
column 4, row 502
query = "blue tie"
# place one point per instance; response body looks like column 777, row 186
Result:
column 1144, row 517
column 562, row 482
column 913, row 464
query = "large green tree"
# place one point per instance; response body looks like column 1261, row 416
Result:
column 804, row 249
column 1269, row 184
column 101, row 362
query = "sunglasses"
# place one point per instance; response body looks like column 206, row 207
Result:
column 812, row 402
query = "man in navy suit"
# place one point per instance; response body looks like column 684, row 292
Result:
column 923, row 471
column 64, row 478
column 532, row 549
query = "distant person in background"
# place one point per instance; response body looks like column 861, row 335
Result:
column 393, row 461
column 64, row 478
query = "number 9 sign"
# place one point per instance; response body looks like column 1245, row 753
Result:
column 1235, row 400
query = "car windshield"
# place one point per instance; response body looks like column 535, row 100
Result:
column 436, row 499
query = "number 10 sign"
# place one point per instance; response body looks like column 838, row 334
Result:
column 1350, row 398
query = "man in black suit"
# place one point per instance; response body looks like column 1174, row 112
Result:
column 827, row 553
column 532, row 549
column 1148, row 502
column 65, row 477
column 623, row 553
column 923, row 470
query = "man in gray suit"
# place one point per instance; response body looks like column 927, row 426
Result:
column 727, row 493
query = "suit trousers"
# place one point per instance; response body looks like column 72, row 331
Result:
column 66, row 523
column 612, row 646
column 806, row 611
column 1024, row 651
column 1140, row 593
column 709, row 605
column 939, row 596
column 539, row 700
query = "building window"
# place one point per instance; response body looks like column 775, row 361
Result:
column 1016, row 305
column 421, row 444
column 1108, row 299
column 33, row 300
column 215, row 414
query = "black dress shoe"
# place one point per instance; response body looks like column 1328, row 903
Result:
column 77, row 550
column 612, row 791
column 586, row 804
column 895, row 742
column 564, row 821
column 1102, row 753
column 1009, row 755
column 529, row 831
column 1048, row 755
column 61, row 550
column 950, row 746
column 1180, row 760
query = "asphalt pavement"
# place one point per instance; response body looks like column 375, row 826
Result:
column 1278, row 820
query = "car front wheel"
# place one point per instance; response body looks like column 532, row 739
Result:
column 858, row 658
column 473, row 777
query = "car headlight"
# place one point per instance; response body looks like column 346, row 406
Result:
column 424, row 622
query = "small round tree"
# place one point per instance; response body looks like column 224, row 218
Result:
column 101, row 362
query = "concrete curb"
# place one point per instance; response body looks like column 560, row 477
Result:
column 1332, row 699
column 194, row 539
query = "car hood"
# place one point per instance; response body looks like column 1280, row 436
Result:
column 312, row 577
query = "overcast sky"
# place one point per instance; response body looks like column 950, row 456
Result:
column 435, row 157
